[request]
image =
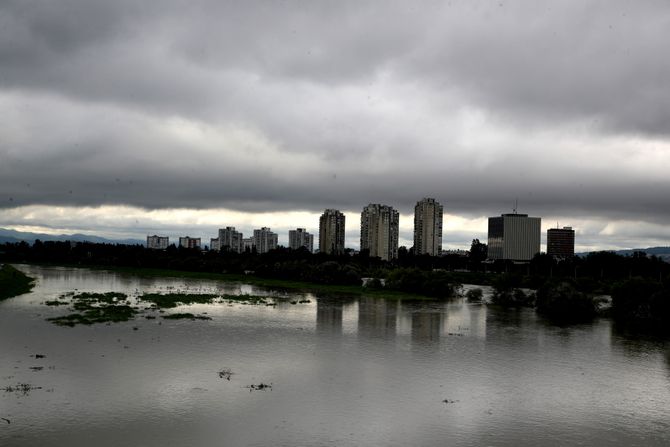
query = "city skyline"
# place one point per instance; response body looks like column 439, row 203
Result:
column 121, row 120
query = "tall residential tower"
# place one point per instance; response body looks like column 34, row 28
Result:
column 428, row 227
column 561, row 242
column 264, row 240
column 331, row 232
column 379, row 231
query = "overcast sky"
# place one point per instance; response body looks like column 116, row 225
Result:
column 123, row 118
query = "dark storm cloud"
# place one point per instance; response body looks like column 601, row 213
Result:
column 303, row 105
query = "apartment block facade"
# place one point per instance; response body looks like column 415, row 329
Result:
column 300, row 238
column 561, row 242
column 331, row 232
column 379, row 231
column 428, row 227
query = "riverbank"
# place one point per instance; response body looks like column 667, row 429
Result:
column 13, row 282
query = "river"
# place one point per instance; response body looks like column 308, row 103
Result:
column 340, row 372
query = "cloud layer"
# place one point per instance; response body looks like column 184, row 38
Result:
column 271, row 107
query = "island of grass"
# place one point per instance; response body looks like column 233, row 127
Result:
column 273, row 283
column 170, row 300
column 110, row 307
column 13, row 282
column 113, row 307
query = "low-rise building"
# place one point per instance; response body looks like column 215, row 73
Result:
column 300, row 238
column 158, row 242
column 189, row 242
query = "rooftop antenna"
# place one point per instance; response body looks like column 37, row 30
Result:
column 516, row 205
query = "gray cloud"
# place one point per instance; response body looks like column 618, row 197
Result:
column 294, row 106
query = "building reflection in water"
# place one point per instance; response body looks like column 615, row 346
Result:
column 377, row 317
column 427, row 325
column 329, row 315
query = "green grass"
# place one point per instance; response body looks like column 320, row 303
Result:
column 106, row 313
column 169, row 300
column 13, row 282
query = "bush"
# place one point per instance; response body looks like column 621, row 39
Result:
column 430, row 283
column 561, row 301
column 474, row 295
column 641, row 299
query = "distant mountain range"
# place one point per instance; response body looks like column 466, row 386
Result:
column 13, row 236
column 661, row 252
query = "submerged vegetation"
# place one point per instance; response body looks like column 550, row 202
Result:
column 170, row 300
column 110, row 307
column 185, row 316
column 114, row 307
column 562, row 302
column 13, row 282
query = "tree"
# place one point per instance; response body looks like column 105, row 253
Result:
column 478, row 253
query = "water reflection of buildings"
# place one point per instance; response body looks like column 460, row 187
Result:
column 329, row 315
column 427, row 325
column 377, row 317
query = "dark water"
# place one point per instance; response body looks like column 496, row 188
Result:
column 343, row 372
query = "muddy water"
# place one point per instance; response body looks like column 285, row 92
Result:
column 341, row 372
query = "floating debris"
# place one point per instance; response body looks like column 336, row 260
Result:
column 23, row 388
column 260, row 386
column 448, row 401
column 225, row 373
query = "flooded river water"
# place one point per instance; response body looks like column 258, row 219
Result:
column 340, row 372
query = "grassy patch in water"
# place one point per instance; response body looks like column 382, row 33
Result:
column 56, row 303
column 105, row 313
column 185, row 316
column 13, row 282
column 244, row 299
column 169, row 300
column 91, row 297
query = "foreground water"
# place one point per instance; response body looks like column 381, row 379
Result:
column 343, row 372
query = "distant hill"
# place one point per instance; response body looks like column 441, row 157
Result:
column 13, row 236
column 661, row 252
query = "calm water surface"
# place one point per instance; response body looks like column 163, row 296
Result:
column 344, row 372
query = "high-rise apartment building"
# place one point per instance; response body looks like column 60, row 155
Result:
column 428, row 227
column 231, row 240
column 264, row 240
column 331, row 232
column 214, row 244
column 248, row 244
column 379, row 231
column 158, row 242
column 189, row 242
column 561, row 242
column 300, row 238
column 514, row 236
